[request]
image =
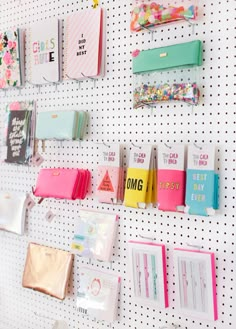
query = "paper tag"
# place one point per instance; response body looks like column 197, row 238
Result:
column 37, row 159
column 140, row 157
column 49, row 216
column 29, row 202
column 95, row 4
column 3, row 154
column 110, row 155
column 171, row 157
column 201, row 157
column 60, row 325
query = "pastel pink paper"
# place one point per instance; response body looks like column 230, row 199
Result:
column 164, row 266
column 213, row 272
column 108, row 196
column 84, row 25
column 168, row 199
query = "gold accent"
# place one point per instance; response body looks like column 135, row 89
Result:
column 43, row 145
column 56, row 173
column 163, row 55
column 54, row 116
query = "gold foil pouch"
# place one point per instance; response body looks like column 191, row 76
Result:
column 47, row 270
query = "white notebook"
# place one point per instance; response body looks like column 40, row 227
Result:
column 45, row 52
column 97, row 295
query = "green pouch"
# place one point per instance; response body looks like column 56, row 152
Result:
column 183, row 55
column 82, row 123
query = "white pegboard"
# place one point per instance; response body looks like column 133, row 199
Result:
column 112, row 119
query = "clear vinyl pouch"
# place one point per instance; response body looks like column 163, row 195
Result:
column 167, row 74
column 167, row 86
column 149, row 14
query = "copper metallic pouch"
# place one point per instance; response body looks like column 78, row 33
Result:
column 47, row 270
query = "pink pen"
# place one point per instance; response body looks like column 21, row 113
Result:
column 185, row 282
column 138, row 272
column 145, row 262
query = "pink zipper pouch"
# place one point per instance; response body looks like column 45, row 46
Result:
column 171, row 190
column 62, row 183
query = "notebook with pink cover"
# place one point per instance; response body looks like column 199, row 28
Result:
column 84, row 36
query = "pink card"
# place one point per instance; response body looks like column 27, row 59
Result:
column 148, row 273
column 171, row 189
column 108, row 184
column 195, row 274
column 84, row 44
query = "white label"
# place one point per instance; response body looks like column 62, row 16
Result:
column 171, row 156
column 49, row 216
column 201, row 157
column 29, row 202
column 110, row 155
column 37, row 159
column 140, row 157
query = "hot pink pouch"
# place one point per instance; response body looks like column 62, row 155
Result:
column 171, row 190
column 58, row 183
column 84, row 178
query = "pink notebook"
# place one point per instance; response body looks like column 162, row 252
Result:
column 84, row 44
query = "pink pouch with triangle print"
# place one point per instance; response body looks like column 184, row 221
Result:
column 108, row 184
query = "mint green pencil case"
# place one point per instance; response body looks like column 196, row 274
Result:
column 58, row 125
column 183, row 55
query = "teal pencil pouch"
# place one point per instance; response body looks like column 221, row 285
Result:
column 175, row 81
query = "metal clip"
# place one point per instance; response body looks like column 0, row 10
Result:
column 94, row 80
column 151, row 106
column 147, row 29
column 170, row 325
column 52, row 82
column 43, row 316
column 107, row 145
column 146, row 237
column 138, row 146
column 198, row 147
column 169, row 147
column 74, row 79
column 194, row 246
column 35, row 84
column 19, row 89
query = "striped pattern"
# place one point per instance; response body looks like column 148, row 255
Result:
column 86, row 24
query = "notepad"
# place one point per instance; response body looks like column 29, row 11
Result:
column 84, row 44
column 110, row 174
column 20, row 131
column 171, row 177
column 202, row 186
column 140, row 187
column 97, row 295
column 45, row 52
column 12, row 58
